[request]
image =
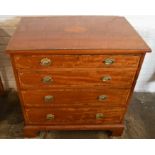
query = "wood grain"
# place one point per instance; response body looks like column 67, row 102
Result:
column 75, row 97
column 76, row 32
column 76, row 61
column 74, row 115
column 121, row 78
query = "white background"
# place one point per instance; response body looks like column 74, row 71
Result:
column 145, row 25
column 77, row 7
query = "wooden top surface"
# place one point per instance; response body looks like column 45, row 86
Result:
column 76, row 32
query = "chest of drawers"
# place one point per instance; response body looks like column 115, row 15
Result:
column 75, row 72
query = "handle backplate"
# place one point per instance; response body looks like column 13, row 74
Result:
column 99, row 116
column 102, row 97
column 108, row 61
column 45, row 62
column 48, row 98
column 47, row 79
column 50, row 117
column 106, row 78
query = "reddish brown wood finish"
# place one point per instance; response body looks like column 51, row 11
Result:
column 76, row 61
column 77, row 47
column 71, row 116
column 76, row 32
column 32, row 130
column 75, row 97
column 120, row 78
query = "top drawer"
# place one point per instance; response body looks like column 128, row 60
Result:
column 75, row 61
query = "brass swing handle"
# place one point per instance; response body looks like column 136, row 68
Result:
column 100, row 116
column 102, row 97
column 108, row 61
column 48, row 98
column 47, row 79
column 50, row 117
column 45, row 62
column 106, row 78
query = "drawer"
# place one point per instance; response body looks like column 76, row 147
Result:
column 74, row 115
column 75, row 61
column 119, row 78
column 75, row 97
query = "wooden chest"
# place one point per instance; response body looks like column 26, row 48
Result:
column 75, row 72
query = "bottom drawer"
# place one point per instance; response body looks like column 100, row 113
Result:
column 71, row 116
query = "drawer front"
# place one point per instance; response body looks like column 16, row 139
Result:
column 75, row 61
column 74, row 115
column 119, row 78
column 75, row 97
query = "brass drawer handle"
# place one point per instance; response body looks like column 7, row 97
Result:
column 108, row 61
column 45, row 62
column 48, row 98
column 50, row 117
column 106, row 78
column 102, row 97
column 47, row 79
column 99, row 116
